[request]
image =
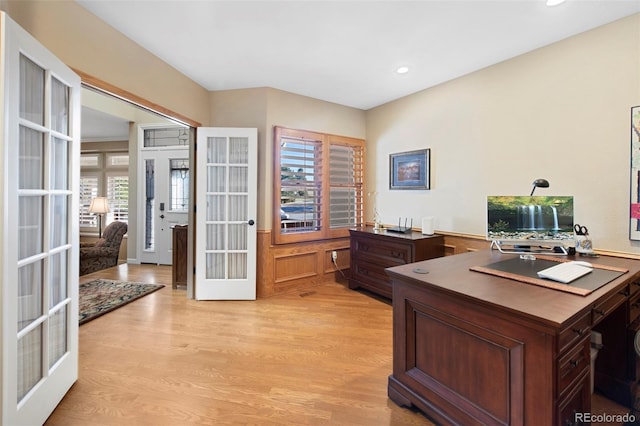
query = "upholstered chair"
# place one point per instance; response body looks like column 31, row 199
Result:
column 104, row 252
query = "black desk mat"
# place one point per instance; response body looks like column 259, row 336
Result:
column 527, row 271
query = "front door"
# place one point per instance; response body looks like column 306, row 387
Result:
column 226, row 201
column 165, row 201
column 40, row 153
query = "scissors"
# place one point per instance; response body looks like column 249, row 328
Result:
column 581, row 230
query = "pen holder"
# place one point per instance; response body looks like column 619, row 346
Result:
column 583, row 244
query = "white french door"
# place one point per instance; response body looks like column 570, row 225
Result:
column 226, row 201
column 164, row 199
column 39, row 152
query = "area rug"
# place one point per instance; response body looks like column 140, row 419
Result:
column 101, row 296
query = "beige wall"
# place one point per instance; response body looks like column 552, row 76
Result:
column 265, row 108
column 87, row 44
column 561, row 113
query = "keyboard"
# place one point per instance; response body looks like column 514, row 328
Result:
column 564, row 272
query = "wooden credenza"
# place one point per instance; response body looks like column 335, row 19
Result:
column 179, row 256
column 472, row 348
column 372, row 251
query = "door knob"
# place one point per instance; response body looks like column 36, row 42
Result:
column 161, row 216
column 251, row 222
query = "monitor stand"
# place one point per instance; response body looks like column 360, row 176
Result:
column 509, row 248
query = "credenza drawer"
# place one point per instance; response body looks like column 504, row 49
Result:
column 572, row 365
column 366, row 271
column 388, row 254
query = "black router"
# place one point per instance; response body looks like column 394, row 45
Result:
column 402, row 229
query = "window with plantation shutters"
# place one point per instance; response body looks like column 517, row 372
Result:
column 88, row 191
column 318, row 185
column 104, row 174
column 118, row 196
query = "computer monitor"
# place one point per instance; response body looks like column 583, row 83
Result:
column 530, row 223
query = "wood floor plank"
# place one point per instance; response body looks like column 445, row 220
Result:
column 317, row 357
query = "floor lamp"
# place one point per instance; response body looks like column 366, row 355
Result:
column 99, row 206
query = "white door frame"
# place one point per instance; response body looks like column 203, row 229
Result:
column 144, row 153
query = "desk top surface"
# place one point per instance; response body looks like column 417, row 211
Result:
column 452, row 275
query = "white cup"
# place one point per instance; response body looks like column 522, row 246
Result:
column 428, row 224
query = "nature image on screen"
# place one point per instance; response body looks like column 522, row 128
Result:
column 529, row 218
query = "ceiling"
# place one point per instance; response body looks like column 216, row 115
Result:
column 346, row 51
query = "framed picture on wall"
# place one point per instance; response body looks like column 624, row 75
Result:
column 634, row 210
column 410, row 170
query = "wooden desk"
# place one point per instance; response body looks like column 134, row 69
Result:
column 472, row 348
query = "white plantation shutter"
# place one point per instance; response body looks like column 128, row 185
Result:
column 88, row 191
column 346, row 182
column 301, row 184
column 118, row 196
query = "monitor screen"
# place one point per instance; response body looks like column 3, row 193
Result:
column 522, row 219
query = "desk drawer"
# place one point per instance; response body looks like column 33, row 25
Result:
column 575, row 332
column 604, row 308
column 388, row 254
column 572, row 365
column 634, row 307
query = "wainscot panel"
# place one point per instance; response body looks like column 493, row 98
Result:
column 293, row 267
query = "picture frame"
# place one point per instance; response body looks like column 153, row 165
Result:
column 410, row 170
column 634, row 196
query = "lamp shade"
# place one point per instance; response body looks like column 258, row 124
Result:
column 99, row 205
column 539, row 183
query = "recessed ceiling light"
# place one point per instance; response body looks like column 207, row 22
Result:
column 402, row 70
column 554, row 2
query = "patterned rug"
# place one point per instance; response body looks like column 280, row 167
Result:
column 101, row 296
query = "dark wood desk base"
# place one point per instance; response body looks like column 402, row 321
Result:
column 470, row 348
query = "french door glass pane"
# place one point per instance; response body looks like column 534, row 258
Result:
column 58, row 220
column 238, row 150
column 29, row 361
column 30, row 174
column 57, row 335
column 237, row 236
column 238, row 208
column 216, row 237
column 216, row 178
column 29, row 293
column 59, row 164
column 32, row 83
column 58, row 278
column 238, row 179
column 59, row 107
column 30, row 226
column 217, row 150
column 237, row 265
column 216, row 210
column 215, row 266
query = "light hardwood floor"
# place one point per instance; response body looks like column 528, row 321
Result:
column 316, row 357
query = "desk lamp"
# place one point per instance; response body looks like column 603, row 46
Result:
column 542, row 183
column 99, row 206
